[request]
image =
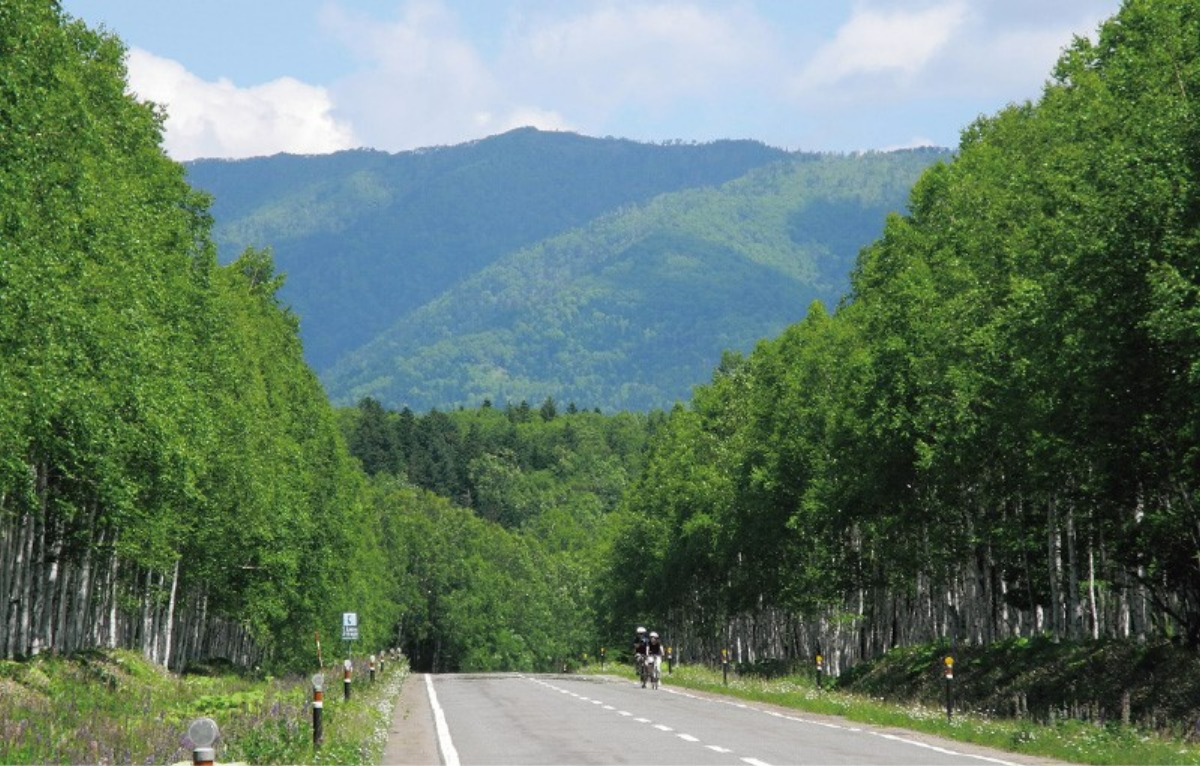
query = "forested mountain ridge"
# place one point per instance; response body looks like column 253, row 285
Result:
column 365, row 237
column 392, row 262
column 633, row 309
column 994, row 437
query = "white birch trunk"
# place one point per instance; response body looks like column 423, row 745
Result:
column 8, row 554
column 1054, row 561
column 1074, row 609
column 170, row 617
column 25, row 608
column 149, row 645
column 113, row 577
column 1092, row 593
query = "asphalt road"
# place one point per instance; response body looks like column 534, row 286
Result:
column 566, row 719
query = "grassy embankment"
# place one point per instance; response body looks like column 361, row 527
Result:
column 1034, row 697
column 115, row 707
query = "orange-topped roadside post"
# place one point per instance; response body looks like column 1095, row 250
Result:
column 948, row 674
column 318, row 704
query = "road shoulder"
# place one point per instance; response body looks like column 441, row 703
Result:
column 412, row 737
column 966, row 748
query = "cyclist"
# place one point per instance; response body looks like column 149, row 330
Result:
column 654, row 653
column 641, row 643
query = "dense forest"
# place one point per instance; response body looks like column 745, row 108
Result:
column 501, row 523
column 993, row 434
column 171, row 474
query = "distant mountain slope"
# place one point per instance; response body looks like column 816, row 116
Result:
column 366, row 237
column 633, row 309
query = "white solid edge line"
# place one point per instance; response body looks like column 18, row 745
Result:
column 449, row 754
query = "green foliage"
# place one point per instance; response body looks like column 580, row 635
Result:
column 504, row 580
column 159, row 423
column 1071, row 741
column 118, row 708
column 994, row 435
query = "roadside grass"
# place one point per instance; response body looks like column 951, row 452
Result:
column 117, row 708
column 1067, row 740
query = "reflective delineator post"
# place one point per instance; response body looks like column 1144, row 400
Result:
column 602, row 657
column 670, row 661
column 371, row 668
column 725, row 666
column 318, row 703
column 949, row 675
column 346, row 666
column 203, row 732
column 820, row 671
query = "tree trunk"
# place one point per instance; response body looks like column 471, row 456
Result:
column 27, row 573
column 113, row 572
column 1092, row 593
column 166, row 658
column 1074, row 609
column 1054, row 561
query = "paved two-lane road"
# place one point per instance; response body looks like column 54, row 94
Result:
column 561, row 719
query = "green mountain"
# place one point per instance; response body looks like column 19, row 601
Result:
column 365, row 237
column 532, row 264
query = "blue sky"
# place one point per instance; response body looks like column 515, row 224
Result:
column 241, row 78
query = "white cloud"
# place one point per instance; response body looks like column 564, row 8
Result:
column 219, row 119
column 888, row 44
column 650, row 56
column 580, row 67
column 820, row 75
column 420, row 83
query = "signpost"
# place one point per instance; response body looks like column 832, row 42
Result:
column 349, row 633
column 349, row 626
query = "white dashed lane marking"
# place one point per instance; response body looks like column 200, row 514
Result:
column 774, row 714
column 661, row 727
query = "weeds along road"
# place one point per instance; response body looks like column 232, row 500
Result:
column 565, row 719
